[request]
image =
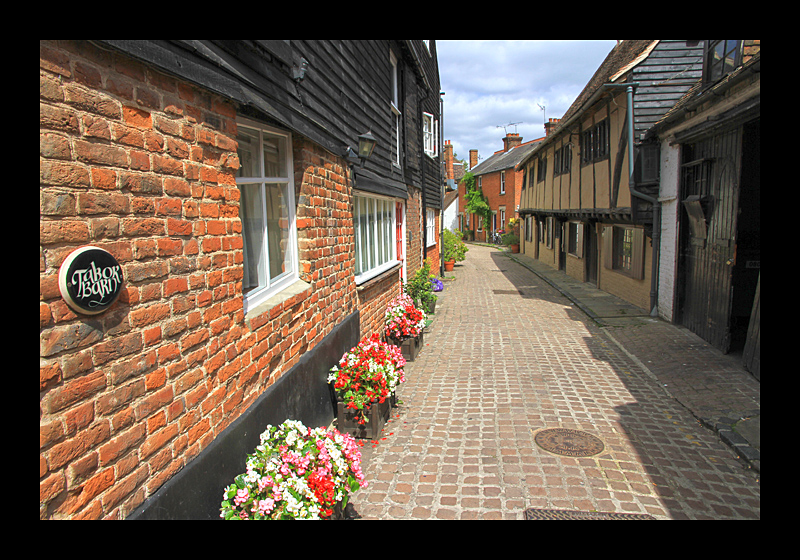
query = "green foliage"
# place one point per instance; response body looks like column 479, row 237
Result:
column 509, row 239
column 454, row 248
column 476, row 203
column 420, row 289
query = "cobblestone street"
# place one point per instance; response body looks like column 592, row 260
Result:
column 507, row 356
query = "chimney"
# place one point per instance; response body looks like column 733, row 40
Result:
column 473, row 158
column 448, row 160
column 512, row 140
column 549, row 126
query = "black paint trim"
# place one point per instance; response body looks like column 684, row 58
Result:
column 300, row 394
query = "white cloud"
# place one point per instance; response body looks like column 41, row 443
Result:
column 493, row 83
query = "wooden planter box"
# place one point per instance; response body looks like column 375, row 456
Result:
column 410, row 347
column 377, row 415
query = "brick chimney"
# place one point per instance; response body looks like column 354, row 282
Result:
column 512, row 140
column 473, row 158
column 549, row 126
column 448, row 160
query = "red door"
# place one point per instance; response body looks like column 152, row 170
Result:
column 399, row 230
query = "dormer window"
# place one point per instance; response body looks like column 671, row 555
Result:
column 722, row 57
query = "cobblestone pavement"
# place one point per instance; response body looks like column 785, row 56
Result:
column 508, row 355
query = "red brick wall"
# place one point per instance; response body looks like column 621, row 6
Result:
column 373, row 299
column 491, row 190
column 143, row 165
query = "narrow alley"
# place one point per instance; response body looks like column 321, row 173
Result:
column 508, row 356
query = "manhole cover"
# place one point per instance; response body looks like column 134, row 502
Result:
column 571, row 443
column 533, row 514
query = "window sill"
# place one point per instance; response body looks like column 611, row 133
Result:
column 258, row 315
column 375, row 279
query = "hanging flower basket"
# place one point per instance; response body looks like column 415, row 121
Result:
column 296, row 473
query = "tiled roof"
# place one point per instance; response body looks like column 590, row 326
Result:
column 505, row 160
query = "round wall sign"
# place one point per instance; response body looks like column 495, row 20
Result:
column 90, row 279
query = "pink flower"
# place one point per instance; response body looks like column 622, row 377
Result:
column 242, row 496
column 265, row 506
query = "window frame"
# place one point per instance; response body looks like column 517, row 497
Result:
column 575, row 239
column 394, row 103
column 261, row 293
column 623, row 249
column 430, row 133
column 430, row 226
column 710, row 66
column 371, row 234
column 562, row 160
column 502, row 182
column 595, row 143
column 541, row 172
column 614, row 241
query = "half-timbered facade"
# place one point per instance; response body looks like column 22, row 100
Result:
column 591, row 185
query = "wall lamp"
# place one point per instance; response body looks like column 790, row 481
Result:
column 366, row 144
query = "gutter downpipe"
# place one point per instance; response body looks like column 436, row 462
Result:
column 640, row 195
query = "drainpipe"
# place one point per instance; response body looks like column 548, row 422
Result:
column 441, row 182
column 652, row 200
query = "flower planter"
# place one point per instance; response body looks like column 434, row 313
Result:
column 377, row 416
column 431, row 307
column 410, row 347
column 289, row 453
column 448, row 266
column 514, row 248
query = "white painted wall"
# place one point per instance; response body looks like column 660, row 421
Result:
column 670, row 207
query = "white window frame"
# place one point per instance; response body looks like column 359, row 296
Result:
column 395, row 106
column 430, row 225
column 271, row 287
column 502, row 182
column 430, row 132
column 369, row 263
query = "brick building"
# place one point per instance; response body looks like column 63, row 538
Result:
column 254, row 250
column 500, row 183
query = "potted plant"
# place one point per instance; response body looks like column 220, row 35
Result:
column 295, row 473
column 454, row 249
column 365, row 378
column 404, row 323
column 420, row 288
column 512, row 240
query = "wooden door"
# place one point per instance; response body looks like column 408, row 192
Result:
column 709, row 196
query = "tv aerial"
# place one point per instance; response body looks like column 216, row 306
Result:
column 505, row 126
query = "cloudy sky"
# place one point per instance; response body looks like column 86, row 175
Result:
column 493, row 83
